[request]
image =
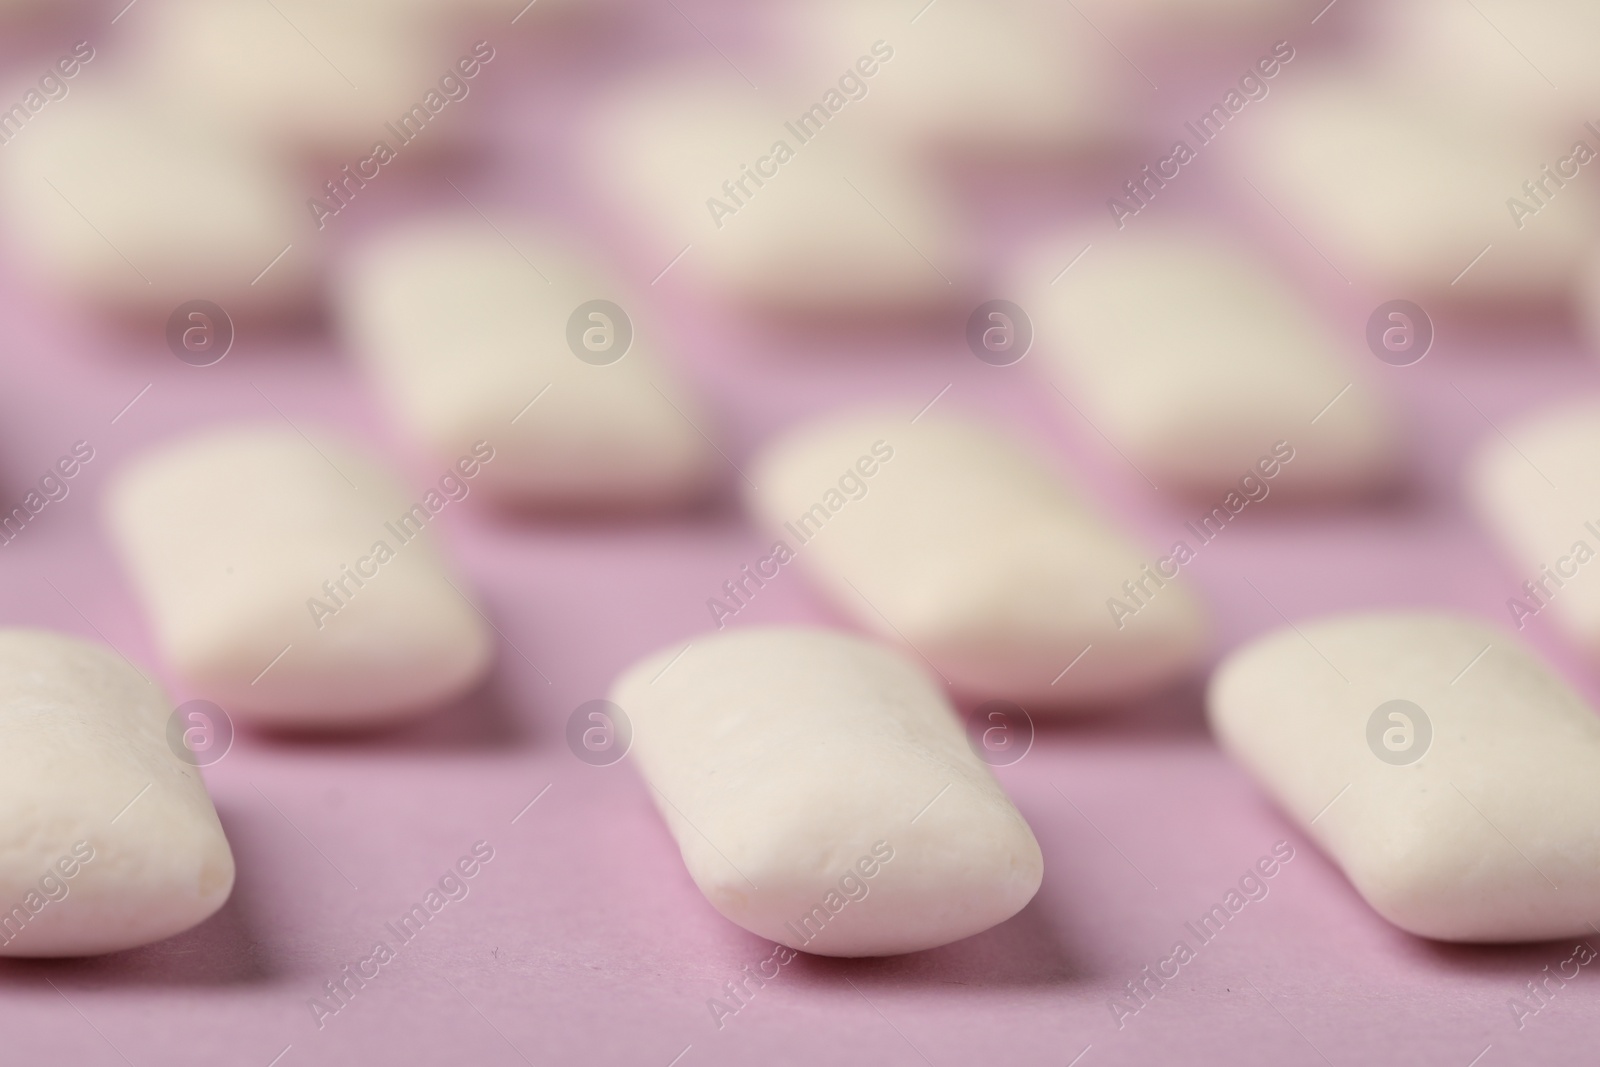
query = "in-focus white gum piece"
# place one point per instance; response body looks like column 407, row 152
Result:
column 950, row 537
column 827, row 227
column 116, row 203
column 1194, row 359
column 1538, row 489
column 230, row 536
column 1410, row 194
column 465, row 328
column 823, row 794
column 1469, row 842
column 983, row 78
column 107, row 839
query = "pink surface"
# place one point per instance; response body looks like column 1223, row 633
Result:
column 583, row 940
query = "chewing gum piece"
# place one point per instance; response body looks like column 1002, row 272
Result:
column 1538, row 490
column 822, row 792
column 108, row 839
column 136, row 213
column 470, row 335
column 1412, row 195
column 330, row 79
column 1457, row 55
column 1446, row 770
column 981, row 78
column 291, row 580
column 950, row 538
column 786, row 216
column 1195, row 361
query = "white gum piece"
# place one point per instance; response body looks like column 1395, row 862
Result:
column 312, row 77
column 1195, row 360
column 1478, row 824
column 1537, row 488
column 1459, row 55
column 983, row 79
column 108, row 839
column 791, row 762
column 115, row 203
column 834, row 229
column 977, row 555
column 466, row 331
column 230, row 536
column 1404, row 193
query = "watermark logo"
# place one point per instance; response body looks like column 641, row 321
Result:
column 737, row 992
column 199, row 733
column 599, row 733
column 999, row 333
column 452, row 88
column 1140, row 191
column 1139, row 591
column 599, row 332
column 740, row 590
column 199, row 332
column 1399, row 333
column 854, row 885
column 452, row 488
column 52, row 487
column 52, row 86
column 1538, row 591
column 1251, row 888
column 1399, row 732
column 1539, row 993
column 1542, row 190
column 737, row 192
column 52, row 887
column 1000, row 732
column 452, row 887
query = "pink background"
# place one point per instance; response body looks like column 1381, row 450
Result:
column 584, row 940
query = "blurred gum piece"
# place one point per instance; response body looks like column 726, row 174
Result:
column 1407, row 193
column 137, row 214
column 986, row 79
column 1538, row 489
column 1447, row 771
column 298, row 585
column 108, row 839
column 1185, row 21
column 790, row 764
column 319, row 78
column 470, row 335
column 1459, row 55
column 1194, row 360
column 772, row 207
column 953, row 539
